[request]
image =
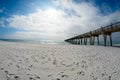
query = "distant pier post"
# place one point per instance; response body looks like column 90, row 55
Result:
column 105, row 39
column 86, row 41
column 78, row 40
column 90, row 40
column 93, row 40
column 98, row 40
column 110, row 39
column 75, row 41
column 81, row 41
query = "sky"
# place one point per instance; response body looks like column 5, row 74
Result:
column 55, row 19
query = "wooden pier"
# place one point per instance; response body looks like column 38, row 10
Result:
column 92, row 35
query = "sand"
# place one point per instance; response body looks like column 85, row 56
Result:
column 23, row 61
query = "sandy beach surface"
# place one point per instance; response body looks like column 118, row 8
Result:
column 23, row 61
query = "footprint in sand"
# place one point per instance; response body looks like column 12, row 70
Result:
column 58, row 79
column 1, row 68
column 11, row 76
column 81, row 73
column 33, row 77
column 64, row 76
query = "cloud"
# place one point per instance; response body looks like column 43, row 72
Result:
column 64, row 20
column 50, row 22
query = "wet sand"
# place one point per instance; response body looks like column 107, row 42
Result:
column 23, row 61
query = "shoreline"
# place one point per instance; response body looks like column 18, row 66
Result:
column 115, row 44
column 26, row 61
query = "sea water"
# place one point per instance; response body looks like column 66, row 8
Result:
column 115, row 43
column 36, row 41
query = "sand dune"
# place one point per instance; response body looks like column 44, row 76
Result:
column 23, row 61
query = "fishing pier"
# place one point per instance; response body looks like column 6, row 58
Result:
column 92, row 35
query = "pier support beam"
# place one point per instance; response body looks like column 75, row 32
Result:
column 90, row 40
column 75, row 41
column 81, row 41
column 110, row 39
column 105, row 39
column 78, row 41
column 98, row 40
column 93, row 41
column 84, row 41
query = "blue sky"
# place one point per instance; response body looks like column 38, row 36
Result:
column 54, row 19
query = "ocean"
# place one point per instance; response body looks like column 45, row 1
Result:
column 36, row 41
column 115, row 43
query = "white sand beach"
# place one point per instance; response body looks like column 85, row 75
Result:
column 23, row 61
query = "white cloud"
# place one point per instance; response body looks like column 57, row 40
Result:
column 71, row 18
column 42, row 20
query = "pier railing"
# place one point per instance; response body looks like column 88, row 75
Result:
column 105, row 31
